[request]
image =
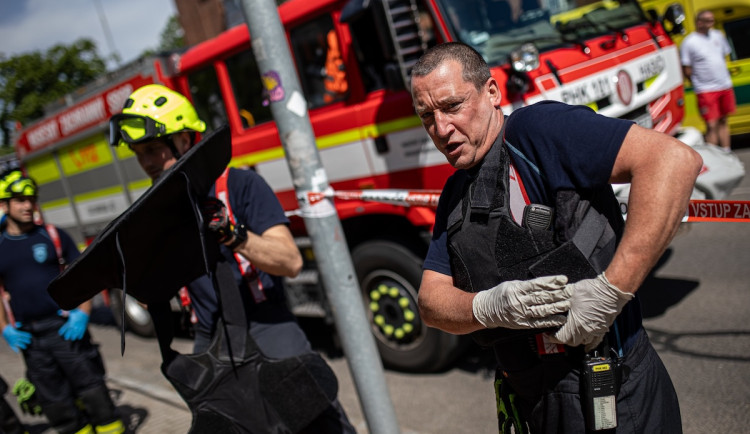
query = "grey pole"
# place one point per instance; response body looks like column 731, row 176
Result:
column 289, row 109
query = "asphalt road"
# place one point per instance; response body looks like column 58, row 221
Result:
column 696, row 308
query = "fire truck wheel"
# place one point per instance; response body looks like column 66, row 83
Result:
column 137, row 318
column 389, row 275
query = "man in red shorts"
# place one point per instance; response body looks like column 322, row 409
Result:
column 703, row 55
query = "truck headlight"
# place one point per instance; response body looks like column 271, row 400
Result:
column 525, row 58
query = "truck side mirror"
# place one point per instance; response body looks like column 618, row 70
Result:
column 675, row 16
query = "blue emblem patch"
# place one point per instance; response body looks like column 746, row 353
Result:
column 40, row 252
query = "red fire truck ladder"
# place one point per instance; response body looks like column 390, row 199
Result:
column 403, row 22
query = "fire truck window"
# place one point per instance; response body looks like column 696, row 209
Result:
column 252, row 102
column 204, row 87
column 374, row 47
column 319, row 63
column 738, row 34
column 370, row 43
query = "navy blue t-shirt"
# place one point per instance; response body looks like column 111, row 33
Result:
column 553, row 147
column 255, row 205
column 28, row 263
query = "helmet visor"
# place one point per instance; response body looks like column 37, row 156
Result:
column 133, row 129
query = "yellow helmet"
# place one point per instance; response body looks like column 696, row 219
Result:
column 15, row 184
column 153, row 111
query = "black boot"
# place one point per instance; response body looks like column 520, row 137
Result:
column 64, row 417
column 101, row 410
column 9, row 422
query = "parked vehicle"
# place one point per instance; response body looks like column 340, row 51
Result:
column 733, row 18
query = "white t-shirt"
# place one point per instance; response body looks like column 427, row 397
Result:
column 706, row 55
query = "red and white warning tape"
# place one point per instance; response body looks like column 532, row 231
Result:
column 428, row 198
column 718, row 211
column 698, row 210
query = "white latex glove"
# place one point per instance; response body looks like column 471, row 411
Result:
column 593, row 308
column 524, row 304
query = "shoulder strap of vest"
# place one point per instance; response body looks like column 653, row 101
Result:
column 222, row 193
column 455, row 191
column 55, row 237
column 486, row 182
column 247, row 269
column 517, row 196
column 493, row 165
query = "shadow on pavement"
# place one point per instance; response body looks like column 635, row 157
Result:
column 478, row 360
column 657, row 294
column 693, row 343
column 322, row 337
column 132, row 417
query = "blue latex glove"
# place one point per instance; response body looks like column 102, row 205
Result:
column 75, row 326
column 17, row 339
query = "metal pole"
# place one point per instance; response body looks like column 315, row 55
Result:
column 289, row 109
column 107, row 32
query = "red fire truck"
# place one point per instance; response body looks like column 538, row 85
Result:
column 353, row 58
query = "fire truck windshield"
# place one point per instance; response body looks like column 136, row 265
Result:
column 497, row 27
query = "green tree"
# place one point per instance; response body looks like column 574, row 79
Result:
column 172, row 37
column 30, row 81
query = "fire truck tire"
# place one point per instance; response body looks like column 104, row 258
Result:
column 137, row 318
column 389, row 275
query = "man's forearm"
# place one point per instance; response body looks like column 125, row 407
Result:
column 273, row 252
column 687, row 72
column 445, row 307
column 3, row 317
column 659, row 195
column 86, row 307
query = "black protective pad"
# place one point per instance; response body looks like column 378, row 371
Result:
column 299, row 389
column 567, row 260
column 248, row 391
column 159, row 235
column 234, row 384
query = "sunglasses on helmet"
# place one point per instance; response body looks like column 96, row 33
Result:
column 133, row 129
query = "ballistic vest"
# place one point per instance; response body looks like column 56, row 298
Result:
column 232, row 387
column 487, row 247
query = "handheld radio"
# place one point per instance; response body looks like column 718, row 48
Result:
column 600, row 392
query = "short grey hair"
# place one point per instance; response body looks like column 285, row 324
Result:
column 475, row 69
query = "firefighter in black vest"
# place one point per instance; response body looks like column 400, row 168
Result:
column 530, row 253
column 61, row 361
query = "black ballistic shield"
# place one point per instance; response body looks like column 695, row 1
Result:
column 155, row 246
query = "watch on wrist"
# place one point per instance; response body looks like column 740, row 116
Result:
column 240, row 235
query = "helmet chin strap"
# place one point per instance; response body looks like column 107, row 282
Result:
column 172, row 147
